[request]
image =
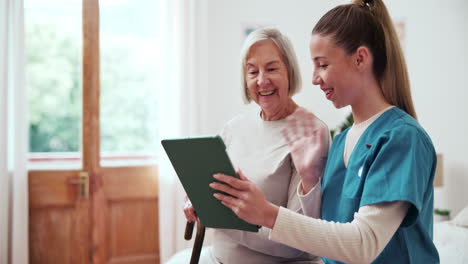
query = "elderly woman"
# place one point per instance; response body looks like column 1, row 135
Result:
column 254, row 142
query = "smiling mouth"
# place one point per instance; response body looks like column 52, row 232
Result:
column 328, row 92
column 267, row 93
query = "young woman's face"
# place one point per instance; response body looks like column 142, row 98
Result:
column 334, row 71
column 267, row 77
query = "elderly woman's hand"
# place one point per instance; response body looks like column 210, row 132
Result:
column 247, row 200
column 189, row 211
column 308, row 140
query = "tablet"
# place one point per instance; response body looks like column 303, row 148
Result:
column 195, row 160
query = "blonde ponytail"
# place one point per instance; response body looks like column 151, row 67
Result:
column 395, row 84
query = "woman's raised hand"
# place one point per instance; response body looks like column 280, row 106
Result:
column 247, row 201
column 308, row 140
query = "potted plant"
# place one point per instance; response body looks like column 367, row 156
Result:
column 441, row 215
column 347, row 123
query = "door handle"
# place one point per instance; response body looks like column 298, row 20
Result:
column 83, row 184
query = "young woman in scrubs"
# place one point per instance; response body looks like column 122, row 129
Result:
column 377, row 193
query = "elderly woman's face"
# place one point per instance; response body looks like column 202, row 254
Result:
column 267, row 77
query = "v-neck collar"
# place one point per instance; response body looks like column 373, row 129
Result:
column 363, row 135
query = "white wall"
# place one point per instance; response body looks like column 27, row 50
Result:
column 436, row 51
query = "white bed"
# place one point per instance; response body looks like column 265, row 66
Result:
column 451, row 239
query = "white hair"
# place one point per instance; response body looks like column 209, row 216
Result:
column 287, row 55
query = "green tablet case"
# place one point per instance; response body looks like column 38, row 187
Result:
column 195, row 160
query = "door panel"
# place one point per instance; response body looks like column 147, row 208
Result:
column 133, row 229
column 59, row 219
column 50, row 189
column 126, row 215
column 124, row 183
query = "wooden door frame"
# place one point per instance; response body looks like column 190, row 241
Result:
column 91, row 122
column 90, row 81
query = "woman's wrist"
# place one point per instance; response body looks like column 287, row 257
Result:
column 310, row 179
column 271, row 215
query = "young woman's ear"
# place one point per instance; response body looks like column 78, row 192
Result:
column 362, row 58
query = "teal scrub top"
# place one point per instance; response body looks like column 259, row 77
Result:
column 394, row 160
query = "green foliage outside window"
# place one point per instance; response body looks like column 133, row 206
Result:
column 128, row 93
column 53, row 71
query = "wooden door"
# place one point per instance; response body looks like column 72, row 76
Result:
column 94, row 215
column 59, row 220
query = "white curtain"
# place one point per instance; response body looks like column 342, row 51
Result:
column 13, row 136
column 178, row 117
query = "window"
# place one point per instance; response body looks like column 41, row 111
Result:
column 129, row 71
column 129, row 62
column 53, row 79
